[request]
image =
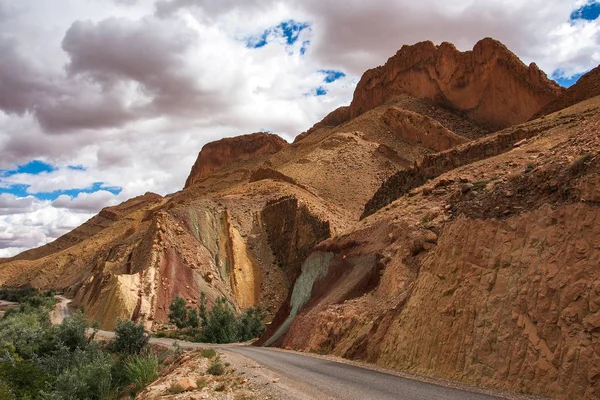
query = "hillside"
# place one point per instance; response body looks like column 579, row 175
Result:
column 425, row 227
column 483, row 272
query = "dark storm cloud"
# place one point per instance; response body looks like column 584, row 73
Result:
column 150, row 52
column 165, row 8
column 20, row 85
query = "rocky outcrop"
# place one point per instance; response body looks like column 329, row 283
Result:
column 224, row 152
column 293, row 231
column 489, row 84
column 420, row 130
column 334, row 118
column 587, row 86
column 434, row 165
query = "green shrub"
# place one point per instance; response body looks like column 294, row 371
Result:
column 89, row 377
column 216, row 367
column 193, row 321
column 22, row 378
column 209, row 353
column 71, row 332
column 25, row 334
column 250, row 324
column 130, row 338
column 141, row 370
column 221, row 324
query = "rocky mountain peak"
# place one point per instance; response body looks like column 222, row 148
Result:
column 488, row 84
column 224, row 152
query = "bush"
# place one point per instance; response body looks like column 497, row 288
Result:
column 25, row 334
column 209, row 353
column 89, row 377
column 221, row 324
column 141, row 370
column 21, row 378
column 71, row 332
column 178, row 313
column 130, row 338
column 250, row 324
column 216, row 367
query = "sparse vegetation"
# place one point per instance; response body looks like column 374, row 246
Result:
column 176, row 389
column 141, row 370
column 578, row 166
column 201, row 383
column 208, row 353
column 481, row 185
column 216, row 367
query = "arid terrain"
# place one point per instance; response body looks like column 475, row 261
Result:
column 444, row 223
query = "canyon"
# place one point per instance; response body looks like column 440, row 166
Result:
column 444, row 223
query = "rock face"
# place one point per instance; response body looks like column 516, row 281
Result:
column 489, row 84
column 420, row 130
column 486, row 273
column 224, row 152
column 587, row 86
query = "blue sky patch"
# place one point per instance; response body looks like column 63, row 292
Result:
column 96, row 186
column 331, row 75
column 589, row 12
column 34, row 167
column 563, row 81
column 290, row 30
column 320, row 91
column 37, row 167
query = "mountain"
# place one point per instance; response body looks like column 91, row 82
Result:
column 586, row 87
column 427, row 226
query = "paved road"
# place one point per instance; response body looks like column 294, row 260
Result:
column 333, row 380
column 306, row 377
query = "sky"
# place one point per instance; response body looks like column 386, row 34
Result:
column 103, row 100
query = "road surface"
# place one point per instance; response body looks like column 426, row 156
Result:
column 303, row 377
column 318, row 378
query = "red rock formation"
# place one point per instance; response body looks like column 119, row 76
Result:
column 420, row 130
column 587, row 86
column 489, row 84
column 224, row 152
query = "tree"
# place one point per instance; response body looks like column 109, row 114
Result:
column 221, row 325
column 250, row 324
column 130, row 338
column 203, row 314
column 178, row 312
column 193, row 321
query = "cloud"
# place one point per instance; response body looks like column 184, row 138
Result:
column 86, row 202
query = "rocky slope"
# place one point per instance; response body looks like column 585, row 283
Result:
column 586, row 87
column 489, row 84
column 485, row 274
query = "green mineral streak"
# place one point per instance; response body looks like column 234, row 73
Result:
column 314, row 267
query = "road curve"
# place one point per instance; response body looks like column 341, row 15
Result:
column 327, row 379
column 305, row 377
